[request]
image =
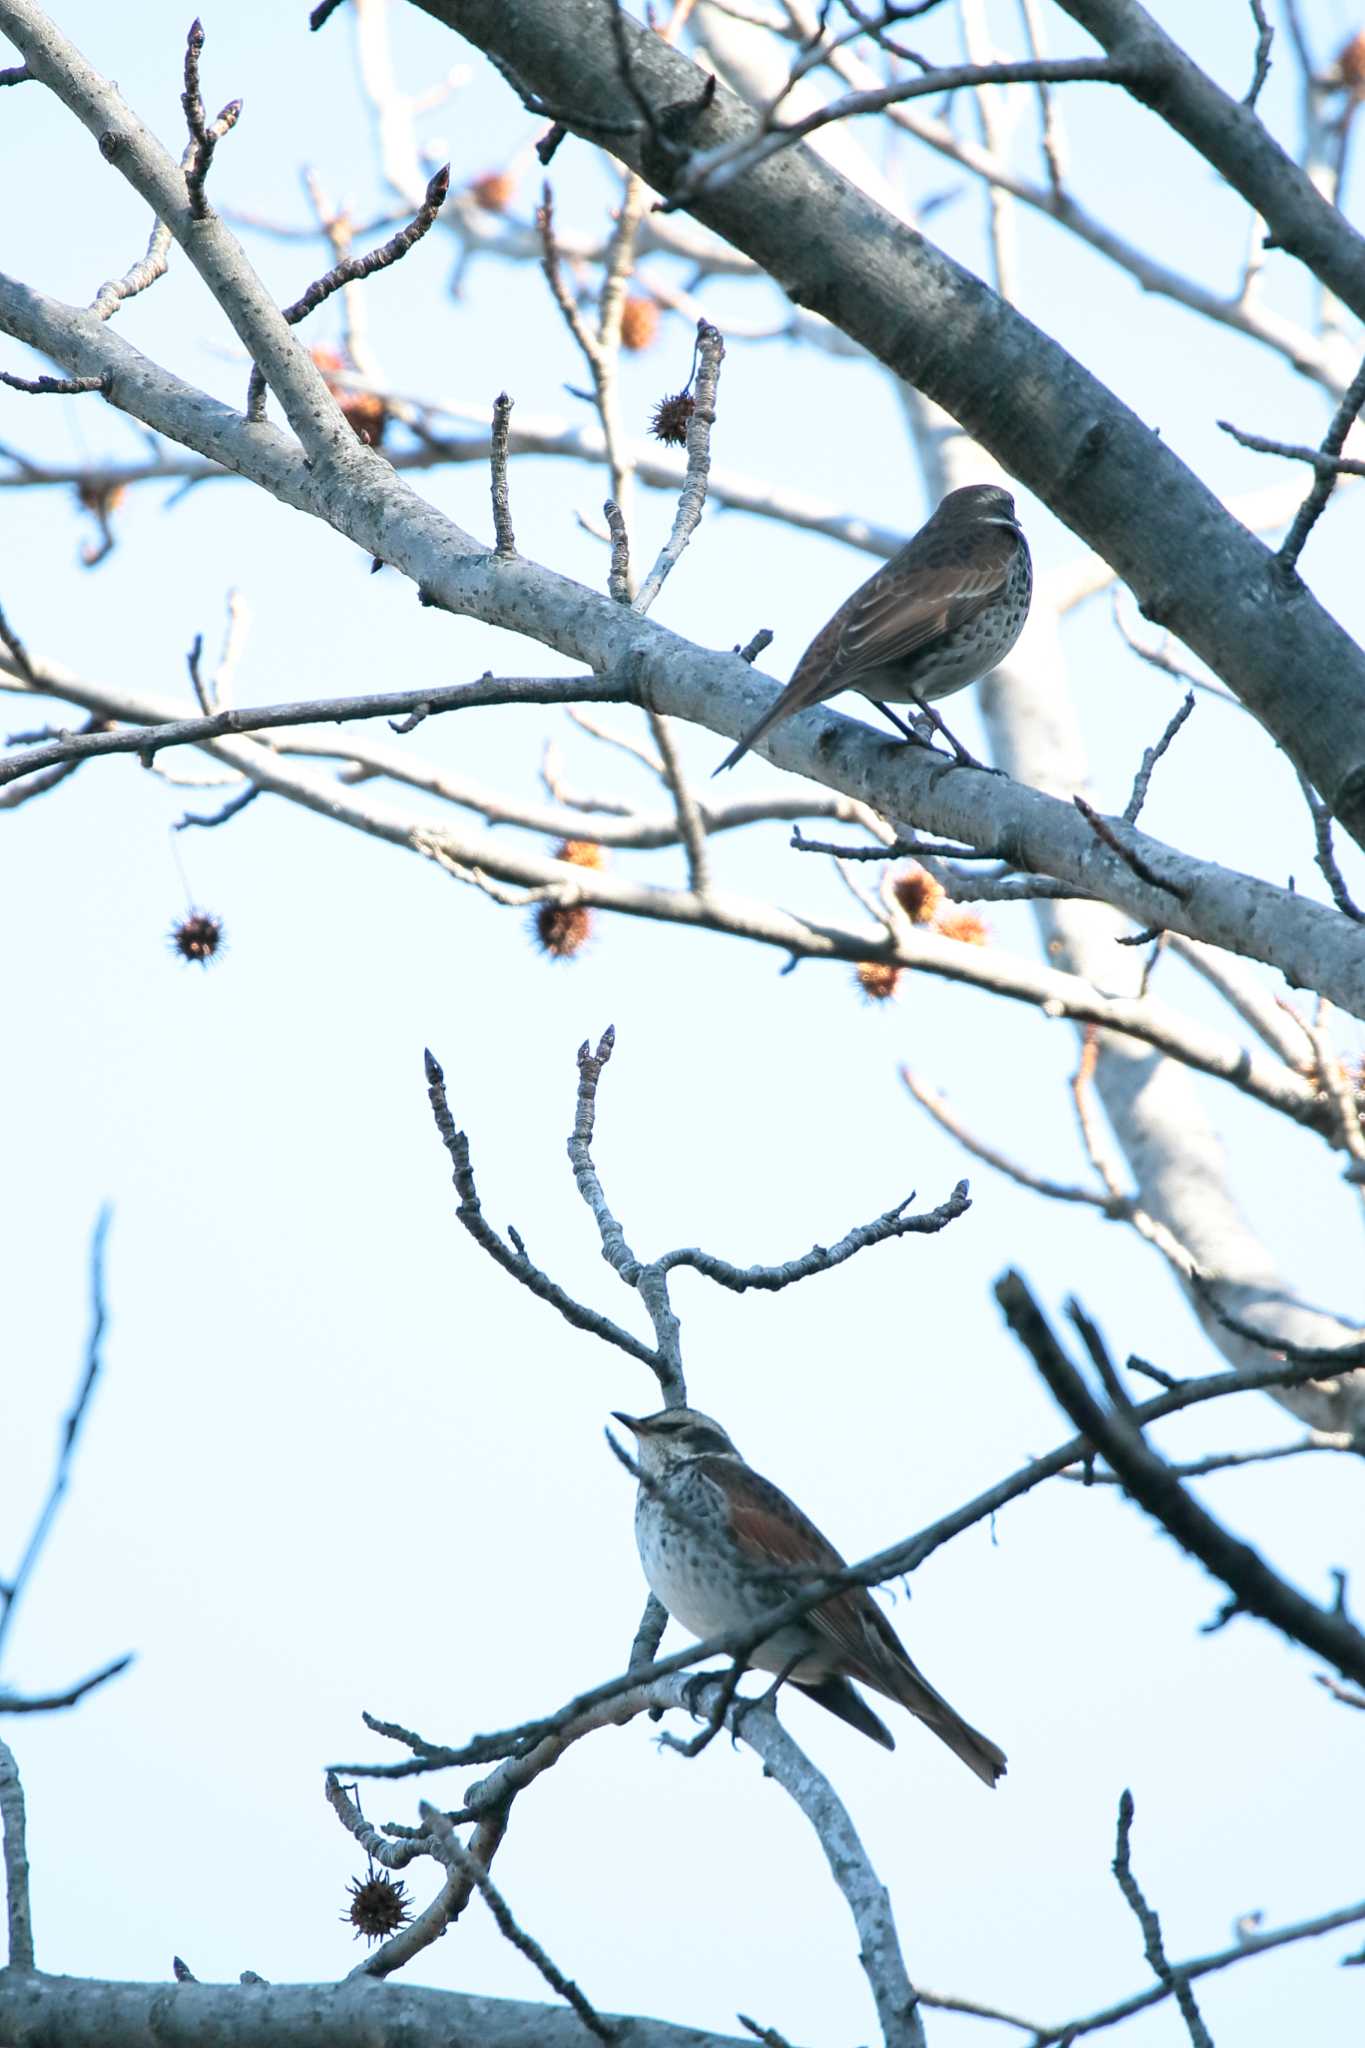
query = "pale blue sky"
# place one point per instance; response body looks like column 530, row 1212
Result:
column 338, row 1460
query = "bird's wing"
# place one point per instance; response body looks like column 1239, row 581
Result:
column 909, row 603
column 771, row 1530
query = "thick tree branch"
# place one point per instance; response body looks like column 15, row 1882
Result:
column 36, row 2011
column 214, row 251
column 1059, row 430
column 385, row 518
column 990, row 968
column 1230, row 136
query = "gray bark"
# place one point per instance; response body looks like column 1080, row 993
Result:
column 1193, row 568
column 74, row 2012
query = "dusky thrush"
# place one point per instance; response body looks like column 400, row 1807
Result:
column 717, row 1542
column 939, row 615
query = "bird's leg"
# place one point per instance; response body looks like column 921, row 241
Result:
column 743, row 1708
column 907, row 732
column 960, row 753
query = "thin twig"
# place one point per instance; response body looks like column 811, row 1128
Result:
column 1143, row 869
column 39, row 785
column 12, row 1822
column 1148, row 1480
column 947, row 1118
column 353, row 269
column 1326, row 854
column 691, row 822
column 505, row 544
column 204, row 137
column 650, row 1281
column 148, row 740
column 1227, row 1461
column 823, row 1258
column 453, row 1853
column 154, row 264
column 769, row 2036
column 644, row 1647
column 1345, row 1693
column 1113, row 1202
column 692, row 498
column 1265, row 36
column 1147, row 1920
column 58, row 387
column 1324, row 482
column 53, row 1702
column 513, row 1258
column 711, row 169
column 1097, row 1149
column 1332, row 1358
column 618, row 569
column 1336, row 1084
column 1296, row 451
column 18, row 651
column 893, row 849
column 229, row 810
column 1150, row 757
column 71, row 1429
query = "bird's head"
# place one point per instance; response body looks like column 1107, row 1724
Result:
column 668, row 1439
column 975, row 504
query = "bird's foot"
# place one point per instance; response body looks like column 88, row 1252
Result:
column 960, row 754
column 692, row 1687
column 726, row 1687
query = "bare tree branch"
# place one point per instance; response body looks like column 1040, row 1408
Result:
column 69, row 1696
column 12, row 1827
column 1078, row 447
column 1174, row 1981
column 70, row 1434
column 1147, row 1477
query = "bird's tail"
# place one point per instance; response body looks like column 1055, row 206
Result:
column 976, row 1750
column 776, row 710
column 837, row 1696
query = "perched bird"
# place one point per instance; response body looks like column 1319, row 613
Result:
column 941, row 614
column 712, row 1563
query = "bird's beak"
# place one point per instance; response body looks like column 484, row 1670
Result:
column 631, row 1422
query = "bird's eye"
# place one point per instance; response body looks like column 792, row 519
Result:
column 699, row 1438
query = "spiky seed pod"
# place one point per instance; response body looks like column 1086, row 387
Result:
column 671, row 415
column 105, row 498
column 365, row 411
column 1351, row 65
column 561, row 929
column 917, row 892
column 877, row 980
column 581, row 853
column 198, row 938
column 494, row 190
column 964, row 926
column 639, row 322
column 379, row 1906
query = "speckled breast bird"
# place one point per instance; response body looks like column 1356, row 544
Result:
column 941, row 614
column 711, row 1563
